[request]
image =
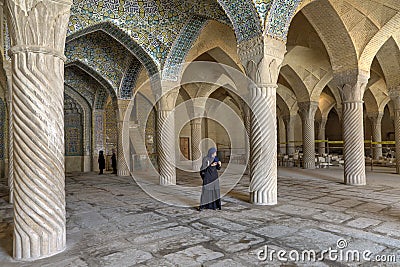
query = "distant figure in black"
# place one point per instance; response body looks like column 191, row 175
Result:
column 210, row 193
column 101, row 161
column 114, row 162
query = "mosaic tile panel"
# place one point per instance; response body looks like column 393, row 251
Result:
column 244, row 18
column 182, row 46
column 279, row 18
column 262, row 7
column 2, row 127
column 111, row 129
column 129, row 81
column 124, row 39
column 102, row 53
column 73, row 127
column 142, row 106
column 100, row 87
column 152, row 24
column 81, row 82
column 99, row 131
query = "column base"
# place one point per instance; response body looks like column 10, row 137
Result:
column 167, row 180
column 86, row 164
column 355, row 180
column 196, row 167
column 30, row 259
column 308, row 166
column 264, row 198
column 123, row 173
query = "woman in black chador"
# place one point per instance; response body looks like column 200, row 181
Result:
column 210, row 195
column 114, row 162
column 101, row 161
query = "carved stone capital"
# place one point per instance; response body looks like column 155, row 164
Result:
column 375, row 117
column 307, row 110
column 38, row 25
column 394, row 94
column 262, row 58
column 352, row 84
column 168, row 99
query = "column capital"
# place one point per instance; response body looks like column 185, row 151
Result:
column 167, row 101
column 375, row 117
column 307, row 109
column 394, row 94
column 39, row 26
column 262, row 57
column 352, row 84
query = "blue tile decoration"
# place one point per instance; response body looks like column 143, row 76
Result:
column 262, row 7
column 102, row 53
column 104, row 88
column 152, row 24
column 280, row 17
column 110, row 128
column 181, row 47
column 73, row 127
column 129, row 80
column 244, row 17
column 81, row 82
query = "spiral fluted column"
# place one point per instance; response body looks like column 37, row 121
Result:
column 123, row 139
column 10, row 135
column 98, row 143
column 263, row 145
column 321, row 135
column 394, row 94
column 122, row 145
column 397, row 137
column 38, row 30
column 247, row 125
column 353, row 86
column 289, row 125
column 307, row 112
column 353, row 134
column 166, row 147
column 376, row 121
column 195, row 125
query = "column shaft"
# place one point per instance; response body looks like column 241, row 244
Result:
column 166, row 147
column 123, row 144
column 289, row 125
column 195, row 125
column 397, row 137
column 353, row 136
column 307, row 112
column 376, row 121
column 321, row 136
column 263, row 146
column 39, row 194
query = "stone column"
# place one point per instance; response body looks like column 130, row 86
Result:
column 353, row 129
column 269, row 54
column 289, row 125
column 376, row 121
column 166, row 138
column 38, row 30
column 10, row 140
column 321, row 135
column 395, row 96
column 307, row 113
column 98, row 136
column 247, row 125
column 195, row 125
column 123, row 139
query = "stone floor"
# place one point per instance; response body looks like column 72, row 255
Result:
column 112, row 222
